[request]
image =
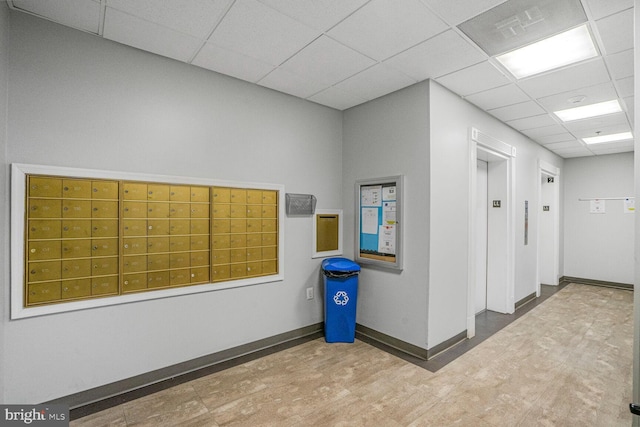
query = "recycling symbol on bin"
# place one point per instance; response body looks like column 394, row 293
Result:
column 341, row 298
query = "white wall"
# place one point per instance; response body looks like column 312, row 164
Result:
column 599, row 246
column 451, row 118
column 80, row 101
column 384, row 137
column 4, row 188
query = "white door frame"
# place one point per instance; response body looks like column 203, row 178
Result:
column 506, row 152
column 548, row 169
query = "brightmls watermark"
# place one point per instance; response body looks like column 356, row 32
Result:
column 34, row 415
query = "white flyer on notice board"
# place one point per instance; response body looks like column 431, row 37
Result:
column 371, row 196
column 389, row 213
column 369, row 220
column 387, row 239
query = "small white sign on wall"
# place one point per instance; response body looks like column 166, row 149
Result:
column 629, row 205
column 597, row 206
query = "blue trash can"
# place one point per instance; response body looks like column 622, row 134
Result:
column 340, row 297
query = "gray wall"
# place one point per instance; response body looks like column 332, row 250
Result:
column 599, row 246
column 4, row 189
column 80, row 101
column 390, row 136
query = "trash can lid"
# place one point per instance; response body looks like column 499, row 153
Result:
column 339, row 264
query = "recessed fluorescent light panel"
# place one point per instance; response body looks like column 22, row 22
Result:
column 586, row 111
column 554, row 52
column 609, row 138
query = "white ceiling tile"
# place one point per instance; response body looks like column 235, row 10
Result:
column 474, row 79
column 455, row 12
column 553, row 139
column 432, row 58
column 381, row 28
column 198, row 20
column 544, row 131
column 375, row 81
column 578, row 76
column 592, row 95
column 132, row 31
column 625, row 87
column 80, row 14
column 260, row 32
column 292, row 84
column 616, row 32
column 621, row 64
column 601, row 8
column 321, row 15
column 573, row 152
column 532, row 122
column 327, row 61
column 517, row 111
column 499, row 97
column 337, row 99
column 584, row 129
column 566, row 144
column 231, row 63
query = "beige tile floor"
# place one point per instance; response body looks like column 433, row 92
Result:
column 565, row 363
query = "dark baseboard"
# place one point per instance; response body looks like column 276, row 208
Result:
column 109, row 395
column 565, row 280
column 525, row 300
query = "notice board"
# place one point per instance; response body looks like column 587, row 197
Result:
column 378, row 221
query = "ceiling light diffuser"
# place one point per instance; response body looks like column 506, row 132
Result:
column 609, row 138
column 554, row 52
column 586, row 111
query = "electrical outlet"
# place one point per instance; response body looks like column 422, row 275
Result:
column 309, row 293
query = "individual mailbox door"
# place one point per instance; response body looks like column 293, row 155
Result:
column 238, row 241
column 200, row 194
column 221, row 241
column 254, row 225
column 269, row 211
column 135, row 227
column 238, row 195
column 76, row 288
column 220, row 272
column 269, row 239
column 269, row 253
column 76, row 188
column 45, row 229
column 221, row 195
column 269, row 197
column 179, row 260
column 180, row 277
column 44, row 208
column 199, row 243
column 238, row 255
column 104, row 266
column 135, row 209
column 269, row 225
column 200, row 210
column 179, row 226
column 105, row 190
column 158, row 262
column 76, row 209
column 221, row 211
column 200, row 275
column 135, row 245
column 199, row 259
column 76, row 268
column 221, row 256
column 254, row 240
column 254, row 254
column 47, row 249
column 104, row 209
column 254, row 268
column 158, row 244
column 44, row 270
column 43, row 292
column 134, row 282
column 199, row 226
column 238, row 211
column 238, row 225
column 158, row 227
column 158, row 192
column 179, row 193
column 104, row 285
column 104, row 247
column 45, row 187
column 134, row 191
column 254, row 196
column 269, row 267
column 179, row 210
column 158, row 279
column 158, row 210
column 134, row 264
column 104, row 228
column 76, row 248
column 221, row 226
column 76, row 229
column 254, row 211
column 238, row 270
column 179, row 243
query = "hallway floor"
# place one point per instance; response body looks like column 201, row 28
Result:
column 567, row 362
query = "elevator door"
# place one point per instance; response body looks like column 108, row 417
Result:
column 481, row 237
